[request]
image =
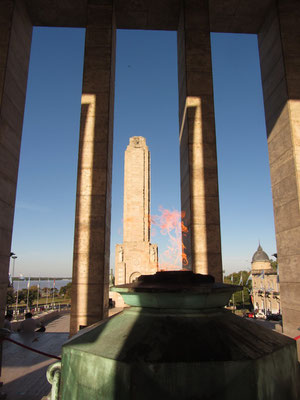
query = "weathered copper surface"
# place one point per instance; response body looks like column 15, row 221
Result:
column 178, row 352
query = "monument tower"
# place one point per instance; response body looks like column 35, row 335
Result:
column 136, row 255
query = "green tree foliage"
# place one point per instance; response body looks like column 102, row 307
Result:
column 274, row 265
column 55, row 290
column 44, row 291
column 22, row 296
column 33, row 291
column 32, row 296
column 244, row 294
column 11, row 296
column 65, row 291
column 111, row 278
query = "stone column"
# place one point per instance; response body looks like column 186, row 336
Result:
column 15, row 42
column 280, row 65
column 198, row 158
column 93, row 199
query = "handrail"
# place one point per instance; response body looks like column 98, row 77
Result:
column 30, row 348
column 53, row 377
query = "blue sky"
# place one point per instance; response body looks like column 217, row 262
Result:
column 146, row 104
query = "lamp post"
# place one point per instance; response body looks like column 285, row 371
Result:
column 17, row 299
column 14, row 263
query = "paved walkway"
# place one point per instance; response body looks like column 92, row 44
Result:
column 24, row 372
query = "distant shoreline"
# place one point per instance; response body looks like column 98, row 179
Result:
column 19, row 284
column 37, row 278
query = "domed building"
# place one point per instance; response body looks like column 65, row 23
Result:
column 265, row 283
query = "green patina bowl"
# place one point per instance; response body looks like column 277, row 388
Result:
column 177, row 342
column 180, row 290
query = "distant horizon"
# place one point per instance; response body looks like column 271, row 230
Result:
column 42, row 278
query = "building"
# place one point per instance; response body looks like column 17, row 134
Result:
column 136, row 255
column 265, row 283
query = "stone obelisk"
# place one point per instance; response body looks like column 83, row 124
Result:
column 136, row 255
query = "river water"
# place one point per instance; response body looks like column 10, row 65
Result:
column 48, row 283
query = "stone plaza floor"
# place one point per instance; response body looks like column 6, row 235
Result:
column 23, row 371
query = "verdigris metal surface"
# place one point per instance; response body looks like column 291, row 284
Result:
column 193, row 291
column 178, row 353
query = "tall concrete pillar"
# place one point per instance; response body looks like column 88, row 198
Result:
column 15, row 42
column 198, row 159
column 93, row 198
column 280, row 65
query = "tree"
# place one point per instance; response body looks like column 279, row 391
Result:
column 274, row 265
column 111, row 278
column 44, row 291
column 235, row 278
column 53, row 290
column 11, row 296
column 65, row 291
column 32, row 296
column 22, row 295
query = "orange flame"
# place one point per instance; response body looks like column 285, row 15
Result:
column 171, row 224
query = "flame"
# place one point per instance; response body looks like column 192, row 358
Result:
column 171, row 224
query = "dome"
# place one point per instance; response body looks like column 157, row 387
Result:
column 260, row 255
